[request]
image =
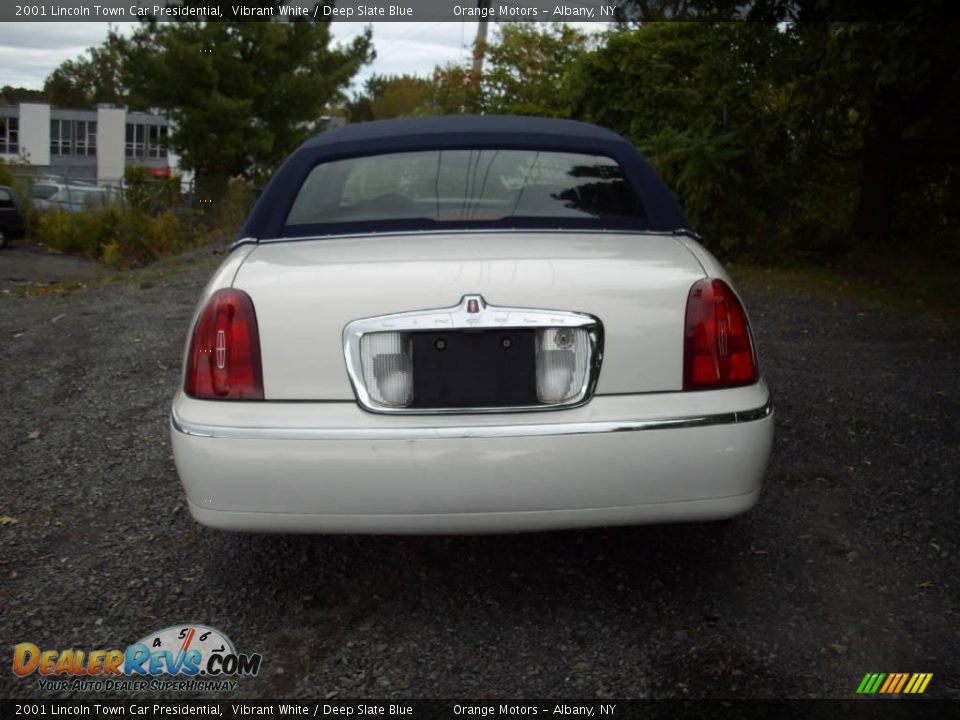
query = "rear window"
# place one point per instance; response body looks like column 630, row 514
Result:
column 465, row 188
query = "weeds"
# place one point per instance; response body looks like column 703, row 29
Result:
column 138, row 232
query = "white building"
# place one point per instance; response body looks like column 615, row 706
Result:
column 88, row 145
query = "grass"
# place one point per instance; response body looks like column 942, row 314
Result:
column 52, row 289
column 155, row 271
column 901, row 283
column 165, row 267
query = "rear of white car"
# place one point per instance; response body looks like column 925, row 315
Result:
column 485, row 378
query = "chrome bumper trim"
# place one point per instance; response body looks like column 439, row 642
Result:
column 468, row 431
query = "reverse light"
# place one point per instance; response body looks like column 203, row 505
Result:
column 562, row 356
column 718, row 347
column 224, row 358
column 386, row 359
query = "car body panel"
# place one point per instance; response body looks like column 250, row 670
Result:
column 361, row 482
column 718, row 508
column 306, row 292
column 711, row 266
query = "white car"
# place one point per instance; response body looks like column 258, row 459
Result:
column 468, row 324
column 50, row 195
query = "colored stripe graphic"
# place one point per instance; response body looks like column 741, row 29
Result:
column 918, row 683
column 891, row 680
column 870, row 683
column 894, row 683
column 903, row 679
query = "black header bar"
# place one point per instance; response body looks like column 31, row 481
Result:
column 865, row 709
column 364, row 11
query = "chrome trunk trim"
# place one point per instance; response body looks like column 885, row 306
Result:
column 470, row 431
column 459, row 317
column 470, row 231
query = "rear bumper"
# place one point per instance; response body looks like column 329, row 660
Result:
column 331, row 467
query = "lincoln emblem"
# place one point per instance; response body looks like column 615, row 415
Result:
column 221, row 349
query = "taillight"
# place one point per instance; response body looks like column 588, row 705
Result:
column 718, row 349
column 224, row 358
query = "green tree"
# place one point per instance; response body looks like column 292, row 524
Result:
column 523, row 75
column 702, row 102
column 359, row 108
column 402, row 95
column 525, row 68
column 10, row 95
column 96, row 77
column 242, row 95
column 391, row 96
column 456, row 91
column 871, row 112
column 886, row 95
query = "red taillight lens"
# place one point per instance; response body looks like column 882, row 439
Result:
column 718, row 349
column 224, row 359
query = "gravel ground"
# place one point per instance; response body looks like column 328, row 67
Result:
column 23, row 262
column 848, row 565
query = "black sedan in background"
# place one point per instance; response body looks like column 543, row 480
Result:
column 11, row 215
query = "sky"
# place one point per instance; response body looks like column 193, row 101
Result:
column 29, row 52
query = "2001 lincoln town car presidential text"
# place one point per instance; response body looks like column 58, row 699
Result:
column 468, row 324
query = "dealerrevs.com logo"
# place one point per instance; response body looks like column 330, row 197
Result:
column 179, row 657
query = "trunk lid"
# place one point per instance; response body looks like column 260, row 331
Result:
column 306, row 291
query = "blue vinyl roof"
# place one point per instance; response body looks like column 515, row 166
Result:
column 452, row 132
column 474, row 125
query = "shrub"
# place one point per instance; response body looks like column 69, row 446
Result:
column 6, row 176
column 236, row 205
column 112, row 254
column 141, row 191
column 78, row 232
column 120, row 238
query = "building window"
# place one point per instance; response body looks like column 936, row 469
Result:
column 9, row 135
column 61, row 137
column 158, row 140
column 80, row 133
column 136, row 140
column 73, row 137
column 85, row 132
column 146, row 141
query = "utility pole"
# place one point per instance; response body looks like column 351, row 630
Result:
column 480, row 44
